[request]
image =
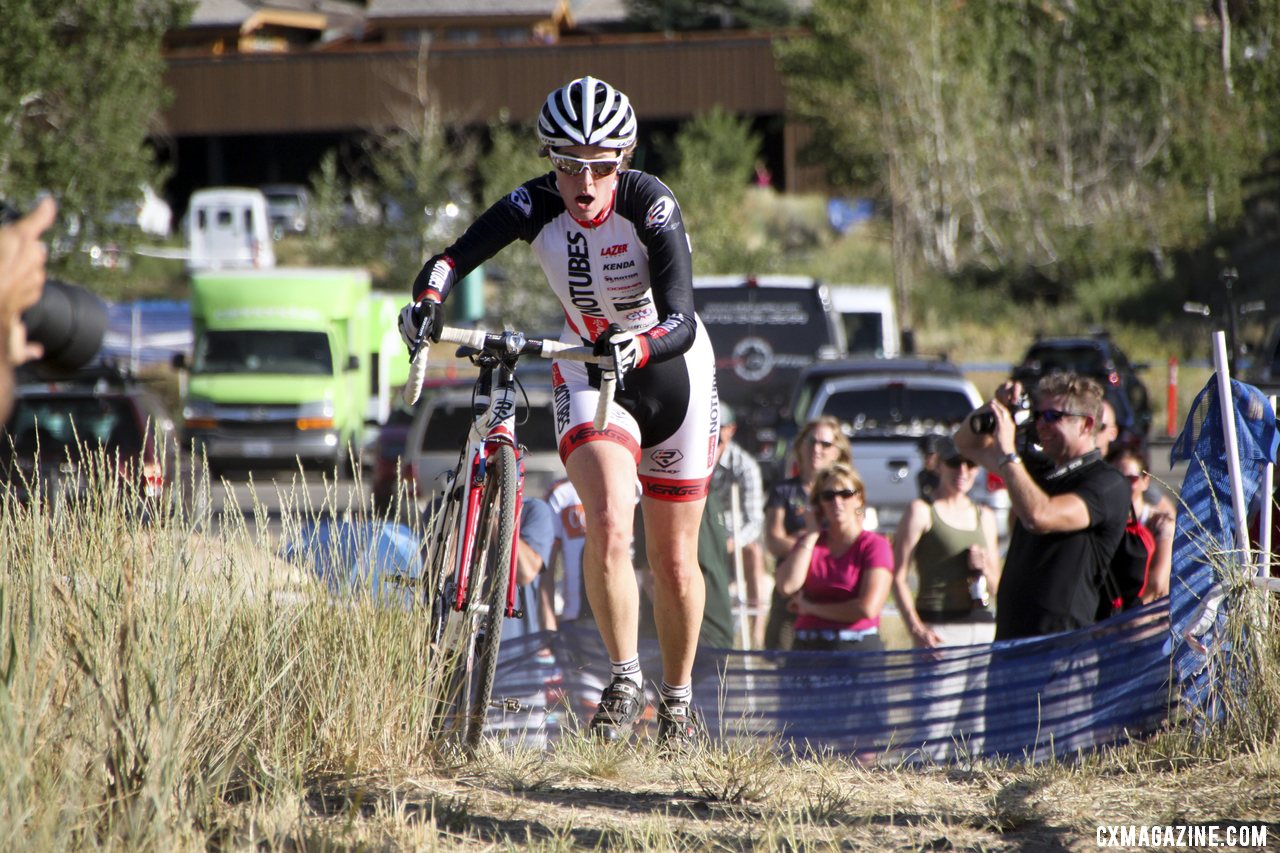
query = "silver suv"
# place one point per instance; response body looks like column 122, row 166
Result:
column 887, row 406
column 440, row 426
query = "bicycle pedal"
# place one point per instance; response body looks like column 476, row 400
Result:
column 510, row 706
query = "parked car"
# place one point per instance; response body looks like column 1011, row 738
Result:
column 1264, row 368
column 440, row 425
column 765, row 330
column 287, row 207
column 887, row 405
column 392, row 474
column 149, row 213
column 56, row 427
column 1100, row 357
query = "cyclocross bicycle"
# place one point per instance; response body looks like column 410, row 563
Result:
column 472, row 533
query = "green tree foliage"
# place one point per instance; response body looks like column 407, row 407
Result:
column 715, row 156
column 80, row 90
column 670, row 15
column 1051, row 141
column 518, row 294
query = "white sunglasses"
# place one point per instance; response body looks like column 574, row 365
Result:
column 573, row 166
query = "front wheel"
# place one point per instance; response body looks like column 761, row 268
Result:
column 490, row 578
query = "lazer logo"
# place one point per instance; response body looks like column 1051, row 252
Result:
column 619, row 249
column 666, row 458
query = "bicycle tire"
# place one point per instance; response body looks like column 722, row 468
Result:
column 446, row 626
column 491, row 572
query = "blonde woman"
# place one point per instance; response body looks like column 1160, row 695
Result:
column 821, row 443
column 837, row 575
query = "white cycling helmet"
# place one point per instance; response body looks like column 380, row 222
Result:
column 587, row 112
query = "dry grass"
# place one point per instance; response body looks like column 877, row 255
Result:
column 168, row 684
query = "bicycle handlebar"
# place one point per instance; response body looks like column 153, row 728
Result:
column 480, row 339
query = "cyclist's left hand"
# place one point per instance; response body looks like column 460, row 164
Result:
column 627, row 349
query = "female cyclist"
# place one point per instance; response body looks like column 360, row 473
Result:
column 612, row 245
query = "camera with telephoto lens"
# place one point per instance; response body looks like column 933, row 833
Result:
column 983, row 421
column 68, row 321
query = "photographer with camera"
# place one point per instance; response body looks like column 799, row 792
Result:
column 22, row 274
column 1069, row 506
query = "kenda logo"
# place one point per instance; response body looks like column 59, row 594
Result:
column 613, row 250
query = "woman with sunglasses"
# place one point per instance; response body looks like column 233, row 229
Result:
column 952, row 543
column 837, row 575
column 1156, row 517
column 821, row 443
column 612, row 245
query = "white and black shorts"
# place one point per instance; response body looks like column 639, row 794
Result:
column 668, row 417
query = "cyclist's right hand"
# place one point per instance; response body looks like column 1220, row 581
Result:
column 413, row 315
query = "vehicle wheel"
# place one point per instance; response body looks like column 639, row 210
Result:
column 491, row 576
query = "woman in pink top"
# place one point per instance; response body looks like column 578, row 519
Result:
column 838, row 575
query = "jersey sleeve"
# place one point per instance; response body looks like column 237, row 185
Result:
column 652, row 209
column 516, row 216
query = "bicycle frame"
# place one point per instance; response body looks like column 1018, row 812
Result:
column 493, row 426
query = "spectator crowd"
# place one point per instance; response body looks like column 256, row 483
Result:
column 801, row 564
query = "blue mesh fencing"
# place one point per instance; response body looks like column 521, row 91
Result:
column 1205, row 546
column 1034, row 698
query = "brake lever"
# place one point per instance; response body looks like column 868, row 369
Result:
column 617, row 374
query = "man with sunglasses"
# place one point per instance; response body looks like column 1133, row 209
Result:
column 1068, row 505
column 612, row 245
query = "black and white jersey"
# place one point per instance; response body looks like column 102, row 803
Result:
column 631, row 267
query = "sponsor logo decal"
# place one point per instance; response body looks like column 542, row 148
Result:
column 561, row 402
column 660, row 213
column 520, row 198
column 581, row 294
column 674, row 491
column 620, row 265
column 503, row 408
column 609, row 252
column 752, row 359
column 666, row 458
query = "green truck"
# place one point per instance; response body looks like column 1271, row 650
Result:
column 288, row 364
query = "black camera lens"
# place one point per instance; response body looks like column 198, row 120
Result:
column 70, row 322
column 983, row 421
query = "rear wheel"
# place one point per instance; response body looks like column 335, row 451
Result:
column 491, row 577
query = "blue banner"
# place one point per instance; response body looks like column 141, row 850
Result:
column 1035, row 698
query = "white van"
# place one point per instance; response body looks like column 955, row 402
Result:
column 869, row 318
column 227, row 228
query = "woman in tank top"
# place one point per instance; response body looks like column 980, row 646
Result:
column 952, row 544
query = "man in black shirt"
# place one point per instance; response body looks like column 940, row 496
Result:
column 1069, row 506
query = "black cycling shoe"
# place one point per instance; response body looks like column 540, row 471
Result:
column 678, row 729
column 620, row 706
